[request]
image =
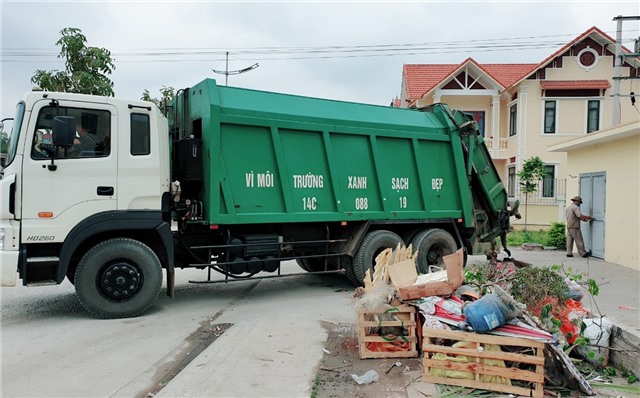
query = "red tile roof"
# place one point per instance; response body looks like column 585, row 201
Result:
column 567, row 46
column 422, row 78
column 507, row 74
column 574, row 84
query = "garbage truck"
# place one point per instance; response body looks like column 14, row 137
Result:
column 113, row 193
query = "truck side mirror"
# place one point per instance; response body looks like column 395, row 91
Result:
column 64, row 131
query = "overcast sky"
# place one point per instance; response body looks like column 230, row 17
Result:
column 340, row 50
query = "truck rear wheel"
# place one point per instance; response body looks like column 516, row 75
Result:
column 432, row 245
column 373, row 244
column 317, row 264
column 118, row 278
column 303, row 264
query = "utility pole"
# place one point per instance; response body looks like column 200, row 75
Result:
column 226, row 72
column 619, row 58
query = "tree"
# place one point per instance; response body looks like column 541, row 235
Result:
column 532, row 172
column 4, row 140
column 4, row 143
column 86, row 68
column 166, row 95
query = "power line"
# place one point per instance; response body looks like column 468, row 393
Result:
column 226, row 72
column 309, row 52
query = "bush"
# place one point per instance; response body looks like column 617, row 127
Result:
column 532, row 285
column 556, row 236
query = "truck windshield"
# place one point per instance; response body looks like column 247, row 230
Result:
column 14, row 133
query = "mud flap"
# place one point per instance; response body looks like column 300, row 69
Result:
column 171, row 282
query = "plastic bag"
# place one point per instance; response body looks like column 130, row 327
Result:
column 598, row 331
column 369, row 377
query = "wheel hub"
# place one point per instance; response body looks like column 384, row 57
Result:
column 120, row 281
column 434, row 256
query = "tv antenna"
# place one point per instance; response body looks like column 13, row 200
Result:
column 226, row 72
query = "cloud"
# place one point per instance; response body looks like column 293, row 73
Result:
column 135, row 30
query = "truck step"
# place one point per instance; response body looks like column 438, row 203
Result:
column 41, row 283
column 48, row 259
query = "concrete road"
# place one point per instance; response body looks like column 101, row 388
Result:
column 52, row 348
column 269, row 335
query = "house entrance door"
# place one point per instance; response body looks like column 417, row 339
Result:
column 593, row 193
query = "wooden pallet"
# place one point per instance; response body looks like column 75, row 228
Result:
column 370, row 343
column 525, row 368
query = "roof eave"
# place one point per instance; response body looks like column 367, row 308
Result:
column 599, row 137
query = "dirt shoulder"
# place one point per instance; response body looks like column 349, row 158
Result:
column 341, row 360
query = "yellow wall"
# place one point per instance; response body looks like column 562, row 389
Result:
column 538, row 216
column 619, row 159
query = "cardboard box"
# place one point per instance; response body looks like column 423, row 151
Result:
column 404, row 275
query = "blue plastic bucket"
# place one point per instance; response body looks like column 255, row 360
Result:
column 485, row 314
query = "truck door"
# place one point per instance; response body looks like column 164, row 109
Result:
column 84, row 179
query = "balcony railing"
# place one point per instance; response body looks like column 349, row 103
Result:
column 500, row 142
column 548, row 191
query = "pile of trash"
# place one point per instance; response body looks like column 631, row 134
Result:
column 506, row 298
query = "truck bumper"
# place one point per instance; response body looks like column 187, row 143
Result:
column 8, row 268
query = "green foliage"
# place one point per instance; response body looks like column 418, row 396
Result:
column 532, row 171
column 590, row 285
column 532, row 285
column 166, row 95
column 86, row 68
column 4, row 141
column 631, row 378
column 314, row 388
column 556, row 236
column 483, row 275
column 593, row 287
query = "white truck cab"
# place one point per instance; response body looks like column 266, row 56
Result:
column 107, row 183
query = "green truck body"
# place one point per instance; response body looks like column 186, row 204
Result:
column 258, row 163
column 271, row 157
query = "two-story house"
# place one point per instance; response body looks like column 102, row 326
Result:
column 523, row 109
column 561, row 110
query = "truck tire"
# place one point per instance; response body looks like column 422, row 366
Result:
column 373, row 244
column 302, row 264
column 317, row 264
column 118, row 278
column 432, row 245
column 347, row 264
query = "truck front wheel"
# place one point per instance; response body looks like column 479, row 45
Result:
column 432, row 245
column 118, row 278
column 373, row 244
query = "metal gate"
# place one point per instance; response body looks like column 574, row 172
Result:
column 593, row 193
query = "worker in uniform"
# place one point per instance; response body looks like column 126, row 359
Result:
column 574, row 216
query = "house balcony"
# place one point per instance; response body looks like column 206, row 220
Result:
column 498, row 147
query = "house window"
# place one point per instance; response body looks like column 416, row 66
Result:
column 548, row 181
column 140, row 134
column 593, row 116
column 549, row 117
column 513, row 119
column 478, row 116
column 511, row 182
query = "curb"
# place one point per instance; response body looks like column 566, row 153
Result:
column 624, row 349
